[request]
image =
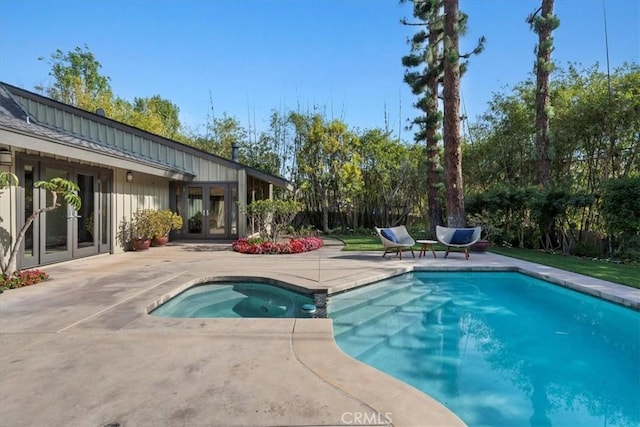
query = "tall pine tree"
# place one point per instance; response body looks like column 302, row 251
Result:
column 426, row 49
column 543, row 22
column 454, row 26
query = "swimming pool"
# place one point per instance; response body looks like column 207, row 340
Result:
column 237, row 299
column 498, row 349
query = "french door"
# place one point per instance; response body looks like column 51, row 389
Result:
column 211, row 211
column 64, row 233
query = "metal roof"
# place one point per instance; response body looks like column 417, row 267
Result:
column 14, row 117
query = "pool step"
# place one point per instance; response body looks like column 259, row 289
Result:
column 423, row 335
column 363, row 314
column 392, row 329
column 219, row 308
column 377, row 324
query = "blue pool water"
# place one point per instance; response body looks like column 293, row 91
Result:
column 248, row 299
column 499, row 349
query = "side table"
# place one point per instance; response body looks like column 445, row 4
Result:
column 424, row 245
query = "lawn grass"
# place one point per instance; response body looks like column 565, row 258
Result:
column 628, row 275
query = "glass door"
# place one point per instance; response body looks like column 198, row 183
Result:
column 195, row 211
column 85, row 222
column 30, row 254
column 56, row 232
column 216, row 212
column 63, row 233
column 103, row 210
column 211, row 211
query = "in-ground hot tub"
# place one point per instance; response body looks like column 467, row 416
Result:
column 237, row 299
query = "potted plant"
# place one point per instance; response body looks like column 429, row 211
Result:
column 481, row 220
column 162, row 222
column 141, row 229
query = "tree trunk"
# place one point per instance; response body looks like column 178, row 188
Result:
column 325, row 210
column 433, row 153
column 10, row 263
column 452, row 146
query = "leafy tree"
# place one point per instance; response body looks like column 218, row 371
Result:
column 503, row 144
column 543, row 25
column 78, row 82
column 223, row 134
column 389, row 168
column 166, row 112
column 595, row 130
column 329, row 172
column 77, row 79
column 280, row 139
column 7, row 179
column 260, row 154
column 59, row 187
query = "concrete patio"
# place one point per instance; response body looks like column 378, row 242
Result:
column 81, row 350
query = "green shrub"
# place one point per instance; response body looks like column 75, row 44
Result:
column 621, row 213
column 255, row 240
column 272, row 216
column 162, row 222
column 621, row 205
column 586, row 249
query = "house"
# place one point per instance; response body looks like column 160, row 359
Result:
column 119, row 169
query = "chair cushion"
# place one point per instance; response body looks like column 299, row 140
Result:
column 462, row 236
column 388, row 234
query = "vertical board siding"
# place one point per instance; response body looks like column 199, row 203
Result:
column 207, row 170
column 145, row 192
column 154, row 152
column 127, row 142
column 135, row 144
column 93, row 131
column 110, row 136
column 102, row 133
column 67, row 120
column 162, row 153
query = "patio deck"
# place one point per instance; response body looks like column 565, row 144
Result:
column 81, row 350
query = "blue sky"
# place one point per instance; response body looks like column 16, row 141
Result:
column 253, row 56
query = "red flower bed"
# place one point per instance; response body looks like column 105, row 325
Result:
column 23, row 278
column 293, row 246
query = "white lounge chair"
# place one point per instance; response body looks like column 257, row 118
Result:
column 396, row 239
column 462, row 238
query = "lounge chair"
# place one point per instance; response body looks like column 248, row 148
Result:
column 462, row 238
column 396, row 239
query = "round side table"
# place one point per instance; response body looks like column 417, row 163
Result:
column 424, row 245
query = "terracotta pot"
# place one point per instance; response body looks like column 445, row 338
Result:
column 160, row 241
column 140, row 244
column 480, row 246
